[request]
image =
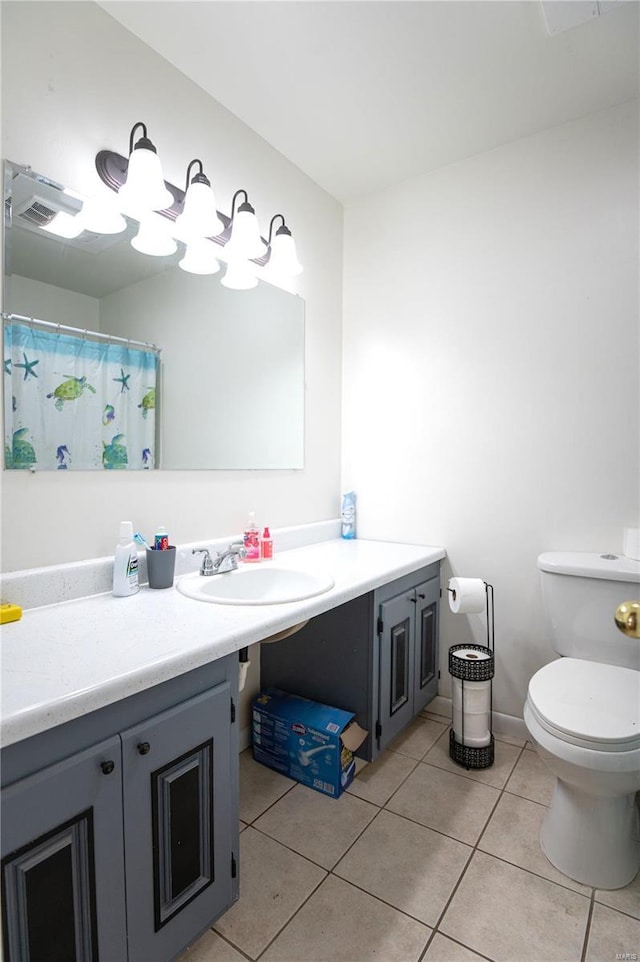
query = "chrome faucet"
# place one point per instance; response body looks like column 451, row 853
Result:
column 206, row 568
column 224, row 561
column 228, row 560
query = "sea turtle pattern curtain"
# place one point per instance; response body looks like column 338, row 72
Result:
column 75, row 403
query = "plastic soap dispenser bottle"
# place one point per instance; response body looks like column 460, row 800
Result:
column 252, row 539
column 266, row 545
column 125, row 564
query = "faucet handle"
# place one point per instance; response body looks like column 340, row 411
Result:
column 238, row 548
column 206, row 568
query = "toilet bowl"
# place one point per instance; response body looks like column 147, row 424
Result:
column 583, row 714
column 583, row 717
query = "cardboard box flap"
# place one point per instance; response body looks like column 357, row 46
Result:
column 353, row 736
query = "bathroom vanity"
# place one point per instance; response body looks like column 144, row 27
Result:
column 120, row 741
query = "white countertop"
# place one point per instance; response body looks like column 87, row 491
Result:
column 63, row 660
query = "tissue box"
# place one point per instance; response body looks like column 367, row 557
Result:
column 306, row 741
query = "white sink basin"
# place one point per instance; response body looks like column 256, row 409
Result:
column 266, row 584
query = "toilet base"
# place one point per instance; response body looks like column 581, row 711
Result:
column 593, row 839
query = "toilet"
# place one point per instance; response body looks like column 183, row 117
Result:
column 583, row 714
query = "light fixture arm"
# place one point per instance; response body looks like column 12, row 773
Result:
column 199, row 178
column 275, row 217
column 144, row 140
column 245, row 205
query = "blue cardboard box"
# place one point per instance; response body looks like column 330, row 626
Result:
column 306, row 741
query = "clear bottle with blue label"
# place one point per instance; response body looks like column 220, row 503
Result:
column 349, row 515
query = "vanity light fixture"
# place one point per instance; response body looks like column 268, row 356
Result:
column 283, row 260
column 239, row 276
column 100, row 214
column 153, row 237
column 245, row 242
column 191, row 216
column 199, row 258
column 144, row 188
column 199, row 217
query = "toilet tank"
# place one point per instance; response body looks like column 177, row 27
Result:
column 580, row 593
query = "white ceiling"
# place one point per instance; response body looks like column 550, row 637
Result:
column 361, row 94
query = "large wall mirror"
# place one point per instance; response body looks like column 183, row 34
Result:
column 230, row 387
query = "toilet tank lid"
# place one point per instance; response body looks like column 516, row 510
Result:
column 584, row 564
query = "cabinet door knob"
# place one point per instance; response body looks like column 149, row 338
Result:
column 107, row 767
column 422, row 596
column 144, row 748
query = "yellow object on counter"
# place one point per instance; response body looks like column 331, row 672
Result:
column 10, row 613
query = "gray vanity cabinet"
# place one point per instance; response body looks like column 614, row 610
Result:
column 376, row 656
column 407, row 629
column 63, row 861
column 126, row 847
column 179, row 866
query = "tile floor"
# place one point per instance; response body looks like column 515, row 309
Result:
column 420, row 861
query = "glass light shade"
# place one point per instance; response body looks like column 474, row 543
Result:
column 239, row 276
column 284, row 260
column 245, row 241
column 152, row 238
column 100, row 214
column 65, row 225
column 144, row 187
column 199, row 258
column 199, row 217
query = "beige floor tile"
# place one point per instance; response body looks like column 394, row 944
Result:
column 340, row 923
column 509, row 739
column 443, row 949
column 260, row 787
column 612, row 936
column 316, row 826
column 243, row 825
column 508, row 914
column 531, row 779
column 449, row 803
column 505, row 757
column 407, row 865
column 377, row 782
column 625, row 900
column 417, row 738
column 513, row 834
column 274, row 883
column 211, row 948
column 444, row 719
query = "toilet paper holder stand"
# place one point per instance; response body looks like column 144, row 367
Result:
column 482, row 669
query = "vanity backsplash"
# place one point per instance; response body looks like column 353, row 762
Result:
column 36, row 587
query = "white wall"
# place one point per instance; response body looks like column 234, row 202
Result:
column 491, row 368
column 73, row 82
column 35, row 299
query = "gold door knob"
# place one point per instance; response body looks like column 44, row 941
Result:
column 627, row 618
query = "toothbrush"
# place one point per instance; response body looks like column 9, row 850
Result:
column 139, row 539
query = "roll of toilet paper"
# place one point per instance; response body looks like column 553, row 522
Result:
column 472, row 654
column 631, row 543
column 467, row 595
column 475, row 720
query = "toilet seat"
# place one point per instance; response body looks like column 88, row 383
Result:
column 588, row 704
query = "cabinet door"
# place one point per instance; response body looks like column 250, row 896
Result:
column 397, row 621
column 425, row 672
column 62, row 861
column 179, row 833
